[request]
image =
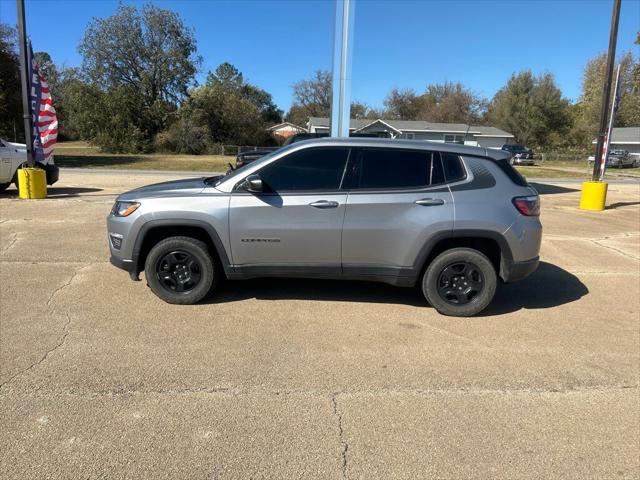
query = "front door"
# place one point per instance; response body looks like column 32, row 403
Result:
column 398, row 201
column 295, row 224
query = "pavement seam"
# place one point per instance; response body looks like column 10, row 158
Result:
column 343, row 442
column 614, row 249
column 235, row 391
column 65, row 329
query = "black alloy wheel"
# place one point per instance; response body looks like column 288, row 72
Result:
column 179, row 271
column 459, row 283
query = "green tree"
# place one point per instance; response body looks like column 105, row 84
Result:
column 11, row 125
column 587, row 114
column 531, row 107
column 146, row 59
column 227, row 76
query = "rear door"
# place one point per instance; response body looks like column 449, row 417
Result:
column 296, row 223
column 397, row 201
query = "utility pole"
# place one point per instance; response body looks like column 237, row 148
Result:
column 606, row 93
column 341, row 81
column 24, row 83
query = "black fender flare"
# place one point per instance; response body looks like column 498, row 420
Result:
column 506, row 256
column 207, row 227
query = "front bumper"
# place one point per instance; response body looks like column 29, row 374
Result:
column 514, row 271
column 126, row 265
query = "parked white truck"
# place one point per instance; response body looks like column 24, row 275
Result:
column 13, row 156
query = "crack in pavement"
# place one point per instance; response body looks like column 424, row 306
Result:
column 614, row 249
column 11, row 243
column 65, row 329
column 343, row 442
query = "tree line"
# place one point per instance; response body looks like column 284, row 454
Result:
column 135, row 91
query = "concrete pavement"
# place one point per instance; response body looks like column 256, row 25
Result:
column 314, row 379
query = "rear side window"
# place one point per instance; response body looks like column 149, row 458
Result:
column 511, row 172
column 395, row 169
column 307, row 170
column 453, row 169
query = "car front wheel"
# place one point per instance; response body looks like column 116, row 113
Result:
column 180, row 270
column 460, row 282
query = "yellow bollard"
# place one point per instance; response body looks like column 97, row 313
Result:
column 594, row 196
column 32, row 183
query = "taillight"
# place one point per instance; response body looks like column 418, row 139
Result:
column 529, row 206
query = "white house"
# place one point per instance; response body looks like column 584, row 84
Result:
column 460, row 133
column 625, row 138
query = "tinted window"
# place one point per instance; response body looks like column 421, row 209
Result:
column 511, row 172
column 453, row 169
column 311, row 169
column 392, row 168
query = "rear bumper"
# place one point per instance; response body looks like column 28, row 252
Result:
column 514, row 271
column 52, row 172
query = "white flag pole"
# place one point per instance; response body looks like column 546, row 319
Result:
column 612, row 119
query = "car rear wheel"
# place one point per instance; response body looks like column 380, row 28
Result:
column 180, row 270
column 460, row 282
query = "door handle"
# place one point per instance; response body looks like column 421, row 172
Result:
column 324, row 204
column 429, row 202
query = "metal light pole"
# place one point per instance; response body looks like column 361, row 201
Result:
column 606, row 93
column 24, row 83
column 341, row 82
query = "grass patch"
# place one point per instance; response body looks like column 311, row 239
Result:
column 82, row 155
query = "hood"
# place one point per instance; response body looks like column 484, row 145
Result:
column 175, row 188
column 18, row 146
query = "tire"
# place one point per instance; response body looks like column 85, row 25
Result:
column 460, row 282
column 180, row 270
column 3, row 186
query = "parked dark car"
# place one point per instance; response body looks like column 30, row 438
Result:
column 251, row 155
column 520, row 155
column 618, row 158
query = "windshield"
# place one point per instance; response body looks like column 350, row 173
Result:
column 518, row 148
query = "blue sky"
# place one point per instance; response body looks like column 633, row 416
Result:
column 401, row 43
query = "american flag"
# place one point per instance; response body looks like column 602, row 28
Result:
column 43, row 113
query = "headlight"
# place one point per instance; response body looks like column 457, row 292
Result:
column 124, row 209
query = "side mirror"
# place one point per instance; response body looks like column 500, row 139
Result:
column 253, row 184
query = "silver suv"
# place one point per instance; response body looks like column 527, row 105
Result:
column 448, row 218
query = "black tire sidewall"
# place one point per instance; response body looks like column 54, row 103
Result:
column 477, row 304
column 207, row 265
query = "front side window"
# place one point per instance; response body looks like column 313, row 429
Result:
column 314, row 169
column 396, row 169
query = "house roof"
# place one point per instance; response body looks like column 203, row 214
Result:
column 417, row 126
column 286, row 124
column 625, row 135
